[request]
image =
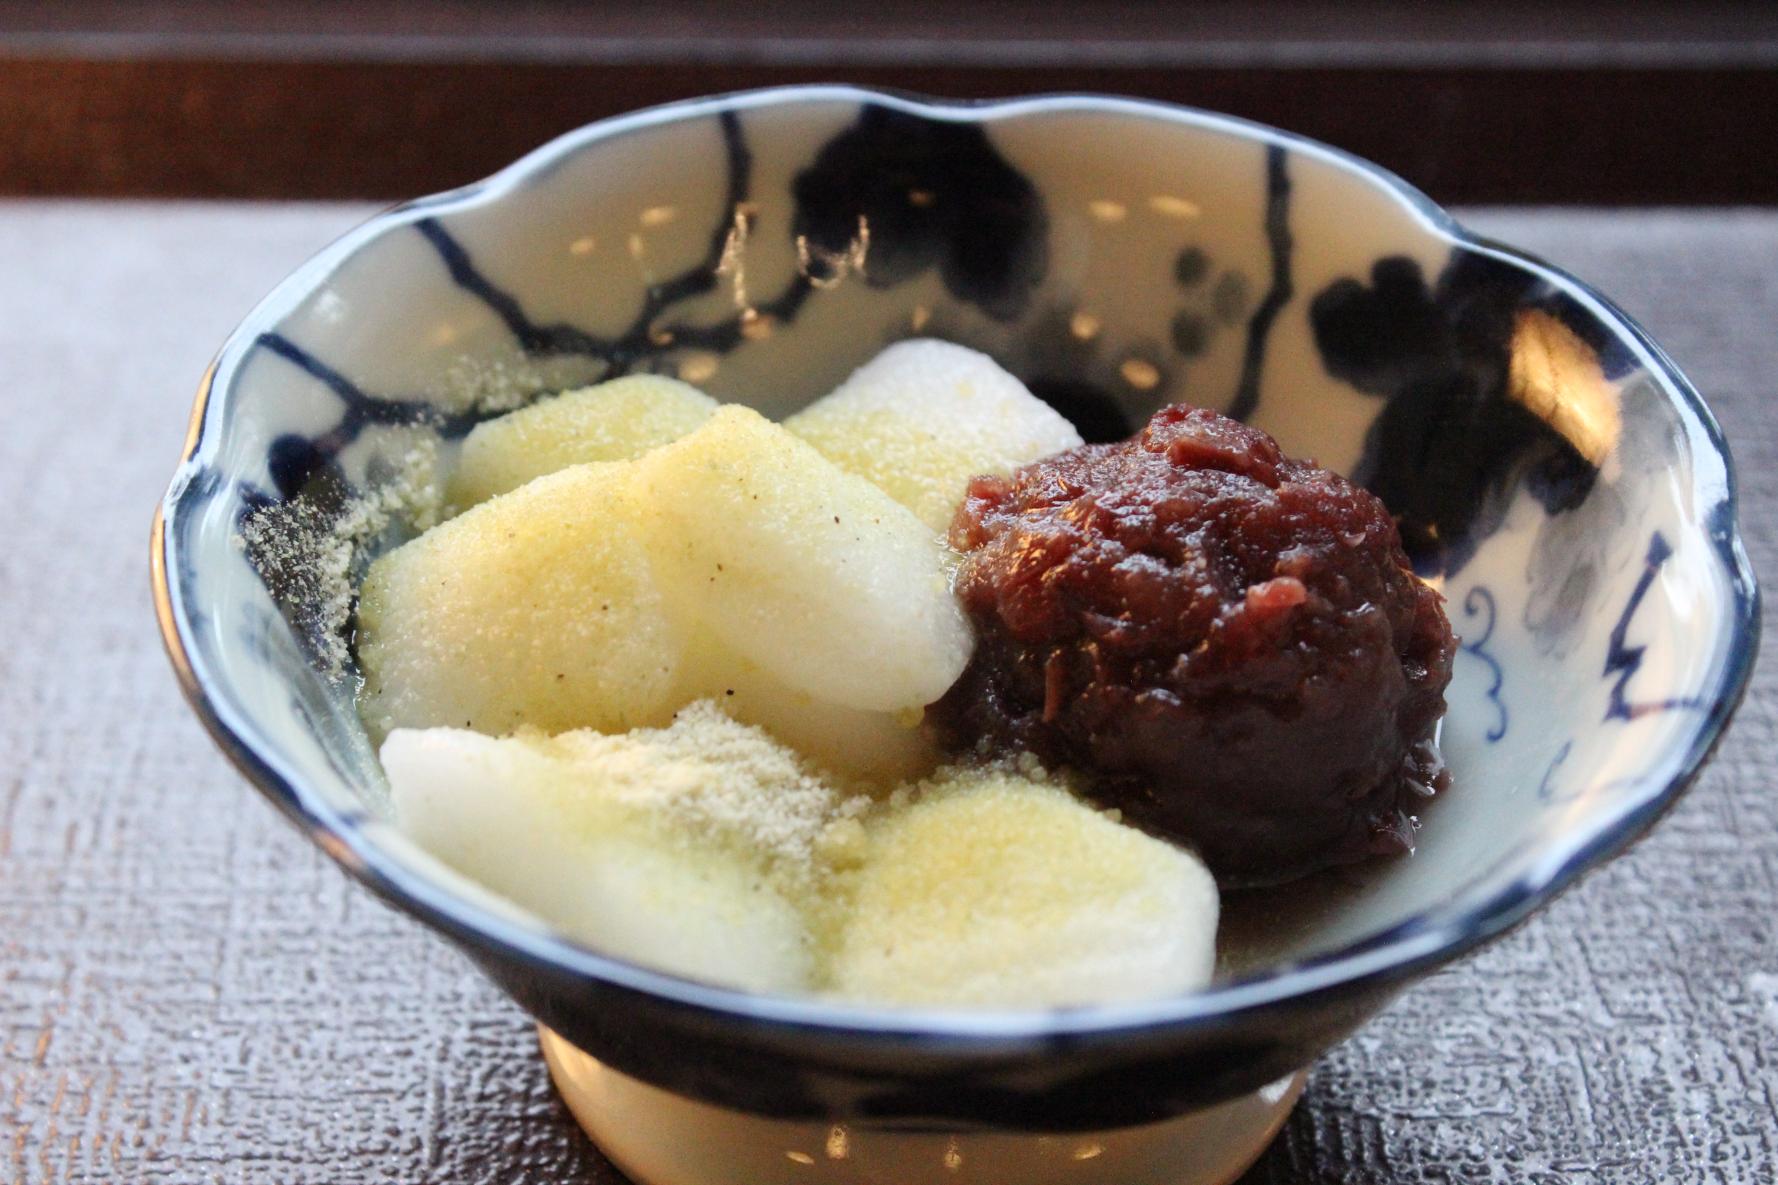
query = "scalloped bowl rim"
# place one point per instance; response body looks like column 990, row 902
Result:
column 1391, row 956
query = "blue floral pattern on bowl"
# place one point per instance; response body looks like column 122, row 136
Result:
column 1551, row 469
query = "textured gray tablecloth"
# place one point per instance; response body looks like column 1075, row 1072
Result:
column 190, row 993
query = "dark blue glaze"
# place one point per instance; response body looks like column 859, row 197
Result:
column 299, row 463
column 1190, row 268
column 1190, row 333
column 1624, row 660
column 1449, row 448
column 935, row 193
column 1096, row 414
column 1480, row 601
column 1546, row 787
column 647, row 336
column 363, row 408
column 1278, row 241
column 542, row 340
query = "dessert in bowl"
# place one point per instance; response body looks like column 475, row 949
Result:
column 1549, row 470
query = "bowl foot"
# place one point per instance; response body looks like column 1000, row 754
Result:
column 659, row 1138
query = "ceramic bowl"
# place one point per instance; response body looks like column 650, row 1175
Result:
column 1551, row 469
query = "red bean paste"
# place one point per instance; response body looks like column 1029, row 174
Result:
column 1229, row 645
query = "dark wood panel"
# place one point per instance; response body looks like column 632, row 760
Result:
column 1511, row 33
column 265, row 128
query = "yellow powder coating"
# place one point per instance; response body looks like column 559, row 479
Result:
column 709, row 849
column 503, row 378
column 615, row 421
column 537, row 608
column 815, row 575
column 995, row 889
column 627, row 549
column 870, row 748
column 710, row 776
column 310, row 550
column 697, row 848
column 923, row 417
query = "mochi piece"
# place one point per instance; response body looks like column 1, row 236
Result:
column 923, row 417
column 614, row 421
column 996, row 890
column 537, row 607
column 872, row 748
column 684, row 849
column 814, row 574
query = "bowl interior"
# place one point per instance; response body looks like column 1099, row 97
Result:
column 1551, row 471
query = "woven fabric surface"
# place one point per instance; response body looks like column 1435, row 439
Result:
column 189, row 992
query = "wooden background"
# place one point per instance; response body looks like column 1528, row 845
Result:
column 1558, row 101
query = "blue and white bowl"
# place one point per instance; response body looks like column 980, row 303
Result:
column 1552, row 471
